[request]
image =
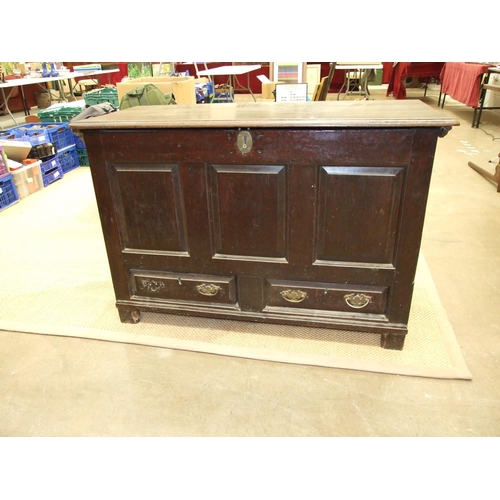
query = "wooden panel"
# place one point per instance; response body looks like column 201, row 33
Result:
column 358, row 211
column 248, row 211
column 150, row 209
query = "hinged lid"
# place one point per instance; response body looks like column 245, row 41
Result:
column 314, row 114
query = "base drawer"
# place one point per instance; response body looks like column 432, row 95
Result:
column 326, row 296
column 183, row 286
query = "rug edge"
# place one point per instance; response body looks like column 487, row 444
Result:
column 448, row 334
column 258, row 354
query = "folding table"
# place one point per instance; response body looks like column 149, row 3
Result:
column 232, row 72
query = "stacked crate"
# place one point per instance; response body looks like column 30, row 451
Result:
column 81, row 151
column 98, row 96
column 64, row 112
column 54, row 144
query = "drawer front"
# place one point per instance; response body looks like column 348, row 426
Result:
column 326, row 296
column 183, row 287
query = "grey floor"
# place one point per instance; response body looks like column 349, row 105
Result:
column 51, row 386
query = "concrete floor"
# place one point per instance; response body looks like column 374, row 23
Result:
column 51, row 386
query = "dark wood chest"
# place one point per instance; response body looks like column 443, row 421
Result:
column 294, row 213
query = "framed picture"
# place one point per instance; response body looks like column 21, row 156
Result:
column 291, row 92
column 288, row 72
column 313, row 78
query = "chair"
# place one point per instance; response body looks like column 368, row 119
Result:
column 321, row 91
column 32, row 119
column 492, row 87
column 356, row 82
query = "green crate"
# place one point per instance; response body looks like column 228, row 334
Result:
column 61, row 114
column 83, row 158
column 99, row 96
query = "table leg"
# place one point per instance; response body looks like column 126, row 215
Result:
column 236, row 82
column 73, row 98
column 478, row 111
column 364, row 82
column 60, row 88
column 495, row 178
column 249, row 88
column 6, row 103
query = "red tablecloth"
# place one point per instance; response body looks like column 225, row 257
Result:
column 404, row 70
column 462, row 81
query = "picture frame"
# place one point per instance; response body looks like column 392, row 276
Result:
column 313, row 78
column 288, row 72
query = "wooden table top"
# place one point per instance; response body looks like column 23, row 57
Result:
column 314, row 114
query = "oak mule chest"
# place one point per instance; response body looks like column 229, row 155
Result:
column 304, row 213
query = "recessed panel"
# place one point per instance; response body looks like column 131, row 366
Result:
column 248, row 211
column 150, row 207
column 358, row 211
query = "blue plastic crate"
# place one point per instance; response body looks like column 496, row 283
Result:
column 34, row 133
column 68, row 159
column 8, row 192
column 79, row 142
column 51, row 171
column 58, row 134
column 11, row 135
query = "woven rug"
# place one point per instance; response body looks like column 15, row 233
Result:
column 57, row 282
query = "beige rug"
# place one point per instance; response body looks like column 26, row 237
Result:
column 56, row 281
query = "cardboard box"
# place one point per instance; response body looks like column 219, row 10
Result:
column 28, row 180
column 268, row 89
column 181, row 86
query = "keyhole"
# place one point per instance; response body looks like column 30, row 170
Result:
column 244, row 142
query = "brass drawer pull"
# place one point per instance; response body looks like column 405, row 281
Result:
column 294, row 295
column 151, row 285
column 209, row 290
column 357, row 300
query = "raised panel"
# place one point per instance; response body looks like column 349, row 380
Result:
column 149, row 204
column 358, row 212
column 248, row 212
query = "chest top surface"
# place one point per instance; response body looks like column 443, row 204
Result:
column 322, row 114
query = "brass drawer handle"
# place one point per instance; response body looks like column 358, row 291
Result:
column 357, row 300
column 208, row 290
column 294, row 295
column 152, row 285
